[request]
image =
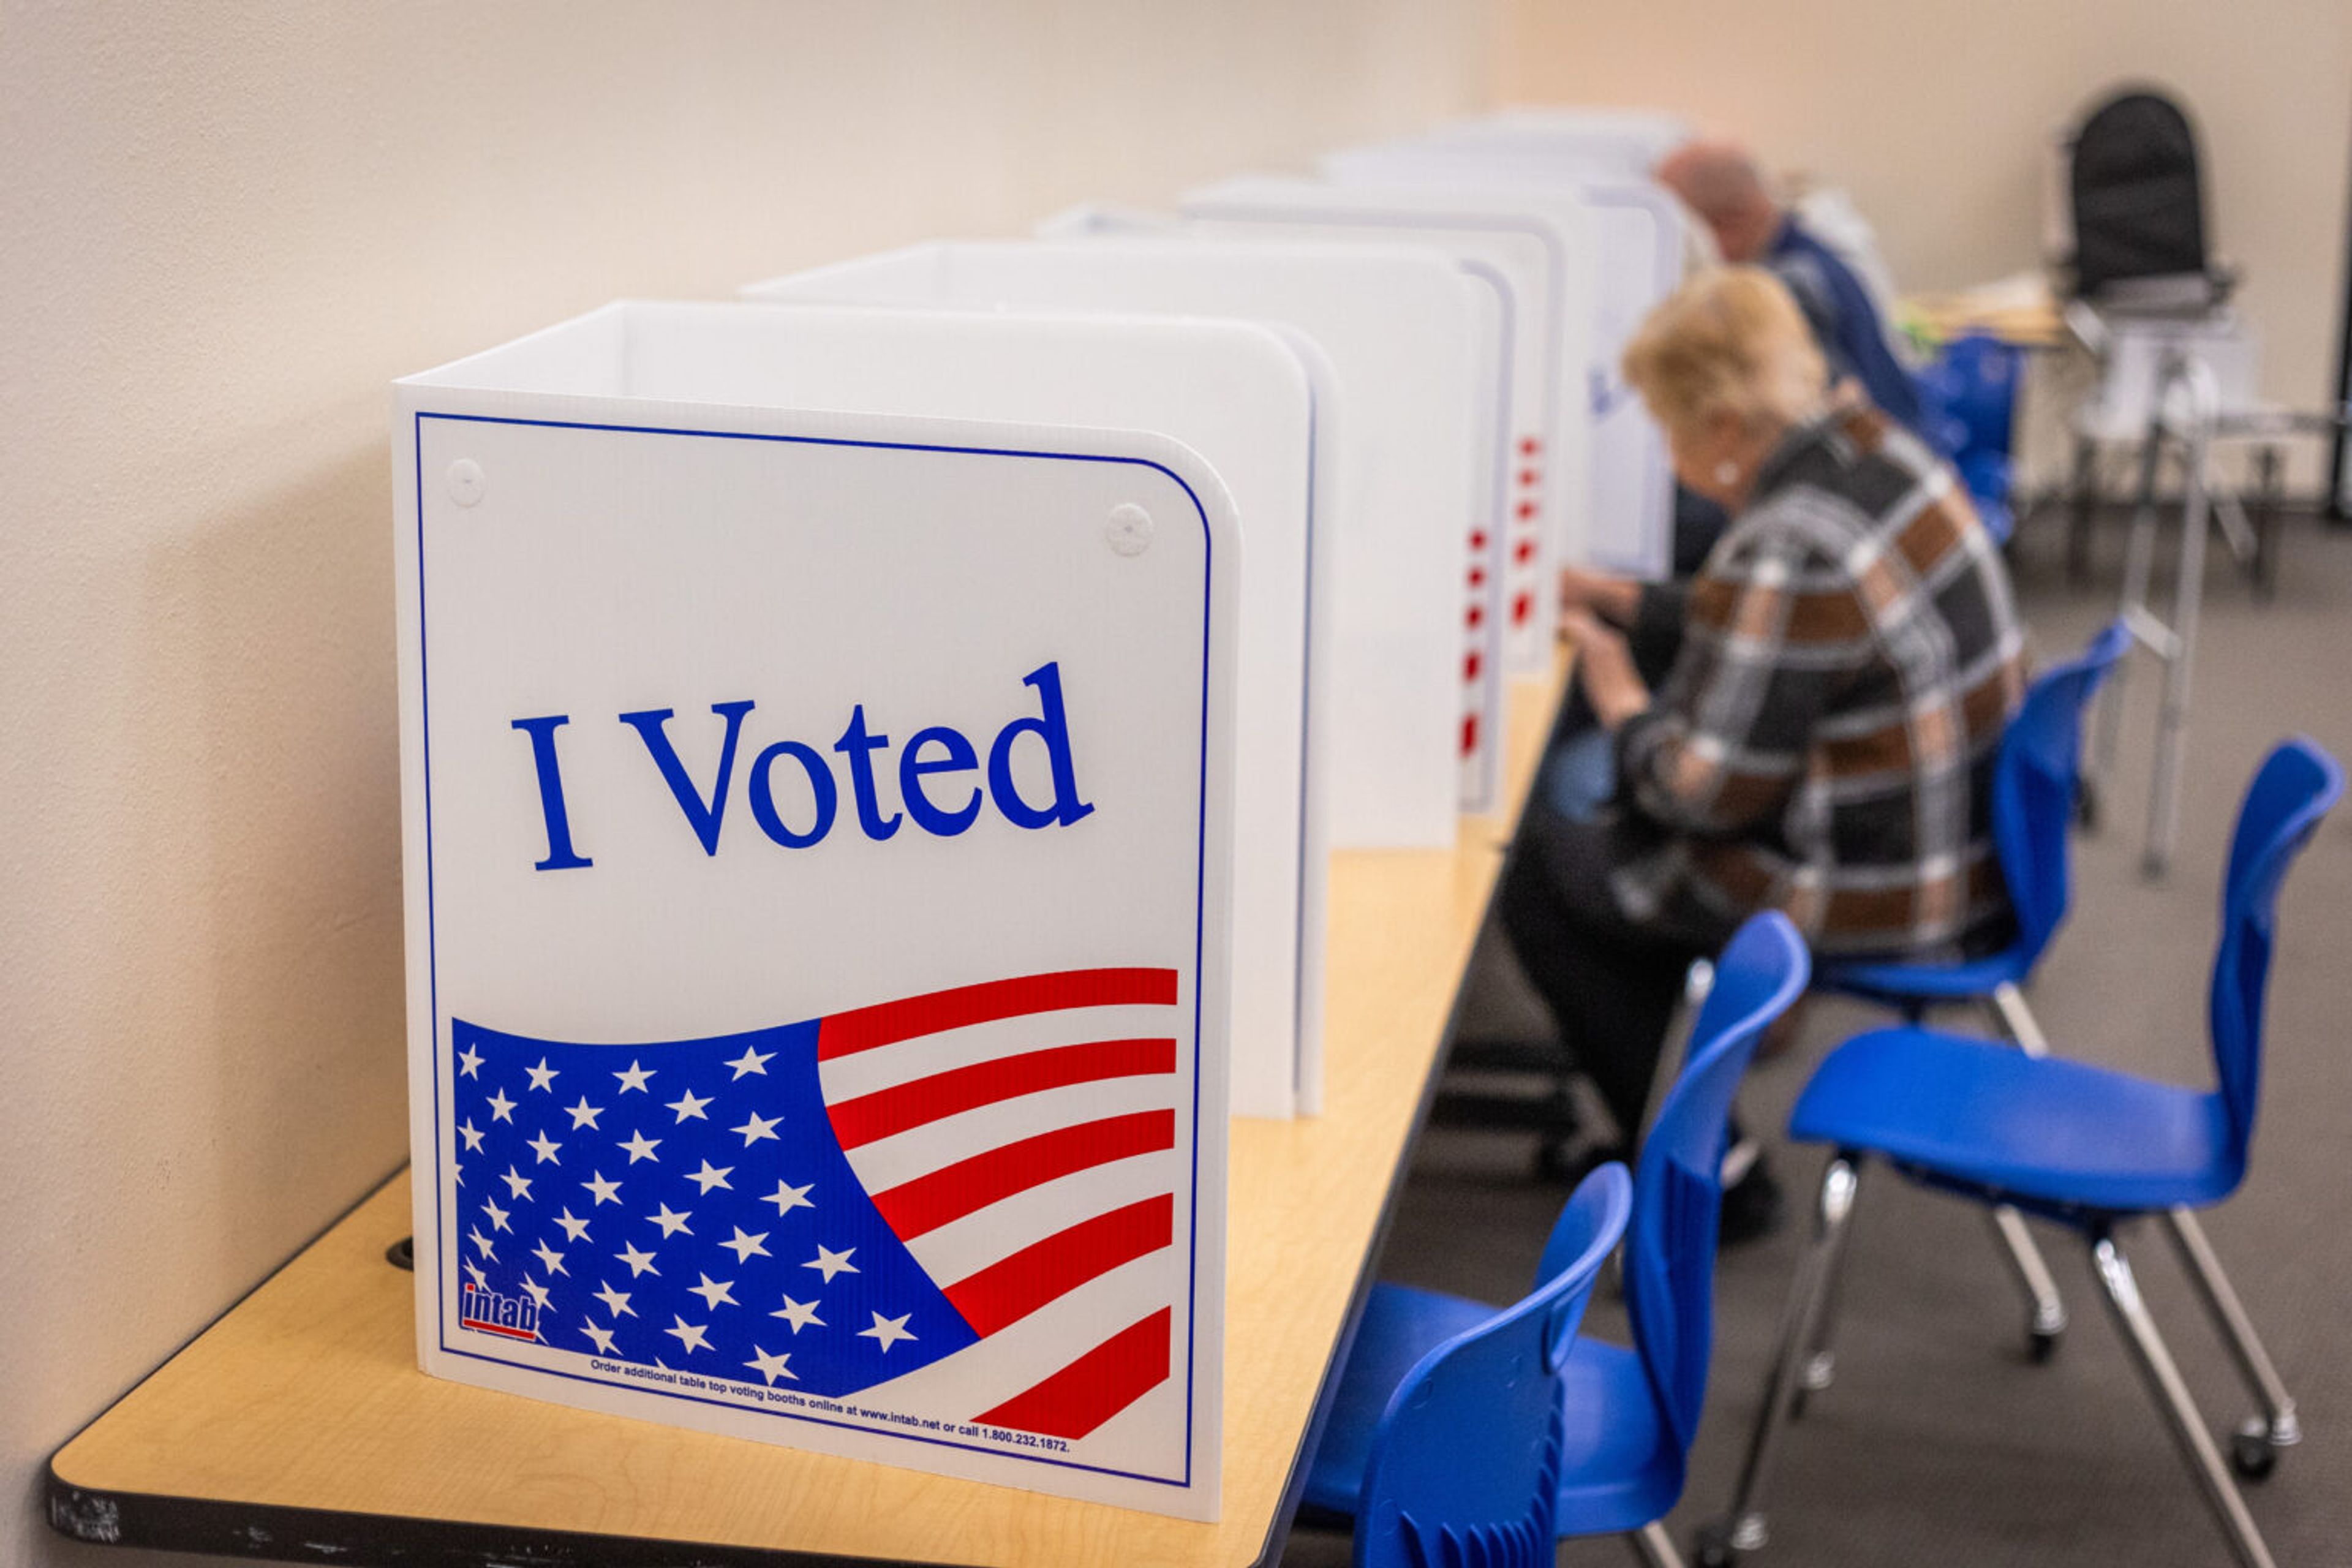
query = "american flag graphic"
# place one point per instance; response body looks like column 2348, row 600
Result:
column 970, row 1193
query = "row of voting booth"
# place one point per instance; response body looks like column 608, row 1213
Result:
column 871, row 753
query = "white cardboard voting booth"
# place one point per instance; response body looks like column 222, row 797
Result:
column 1480, row 627
column 818, row 827
column 1400, row 329
column 1539, row 260
column 1260, row 435
column 1639, row 245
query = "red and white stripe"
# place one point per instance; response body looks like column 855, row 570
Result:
column 1023, row 1138
column 1524, row 575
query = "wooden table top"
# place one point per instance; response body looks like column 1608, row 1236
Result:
column 2029, row 323
column 298, row 1425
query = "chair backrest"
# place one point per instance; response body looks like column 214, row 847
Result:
column 1978, row 374
column 2137, row 194
column 1679, row 1190
column 1967, row 403
column 2296, row 785
column 1465, row 1464
column 2034, row 785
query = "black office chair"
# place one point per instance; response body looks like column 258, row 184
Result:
column 2143, row 288
column 2137, row 194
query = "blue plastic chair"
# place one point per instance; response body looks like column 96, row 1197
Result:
column 1627, row 1416
column 2086, row 1146
column 1452, row 1459
column 1969, row 395
column 2035, row 783
column 1980, row 375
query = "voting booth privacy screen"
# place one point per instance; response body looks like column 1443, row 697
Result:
column 1238, row 395
column 870, row 759
column 1634, row 234
column 817, row 840
column 1534, row 261
column 1393, row 338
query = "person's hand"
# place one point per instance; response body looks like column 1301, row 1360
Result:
column 1612, row 598
column 1604, row 667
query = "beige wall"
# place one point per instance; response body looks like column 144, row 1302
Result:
column 223, row 230
column 1937, row 116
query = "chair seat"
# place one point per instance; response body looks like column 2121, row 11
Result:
column 1896, row 982
column 1619, row 1471
column 1619, row 1468
column 1980, row 1115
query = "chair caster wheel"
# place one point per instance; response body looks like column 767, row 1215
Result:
column 2253, row 1455
column 2041, row 1344
column 1713, row 1548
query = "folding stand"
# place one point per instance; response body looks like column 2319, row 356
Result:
column 2186, row 413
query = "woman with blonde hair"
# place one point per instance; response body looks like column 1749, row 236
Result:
column 1822, row 742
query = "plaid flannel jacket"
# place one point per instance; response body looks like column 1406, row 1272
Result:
column 1825, row 741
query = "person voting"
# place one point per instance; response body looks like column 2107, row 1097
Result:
column 1822, row 741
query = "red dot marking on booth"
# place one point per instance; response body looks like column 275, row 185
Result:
column 1469, row 733
column 1526, row 551
column 1472, row 666
column 1528, row 509
column 1529, row 445
column 1478, row 542
column 1521, row 608
column 1530, row 477
column 1478, row 617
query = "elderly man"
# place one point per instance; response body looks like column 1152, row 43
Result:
column 1720, row 182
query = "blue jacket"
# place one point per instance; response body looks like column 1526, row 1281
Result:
column 1845, row 323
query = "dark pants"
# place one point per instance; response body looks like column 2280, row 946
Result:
column 1610, row 984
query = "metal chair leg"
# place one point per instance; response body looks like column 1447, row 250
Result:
column 2269, row 505
column 2045, row 1312
column 2171, row 1395
column 2188, row 597
column 2081, row 509
column 2276, row 1427
column 1744, row 1531
column 2017, row 1020
column 1820, row 1369
column 2139, row 571
column 2237, row 528
column 1653, row 1547
column 2045, row 1309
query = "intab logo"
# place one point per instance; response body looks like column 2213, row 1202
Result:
column 482, row 1308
